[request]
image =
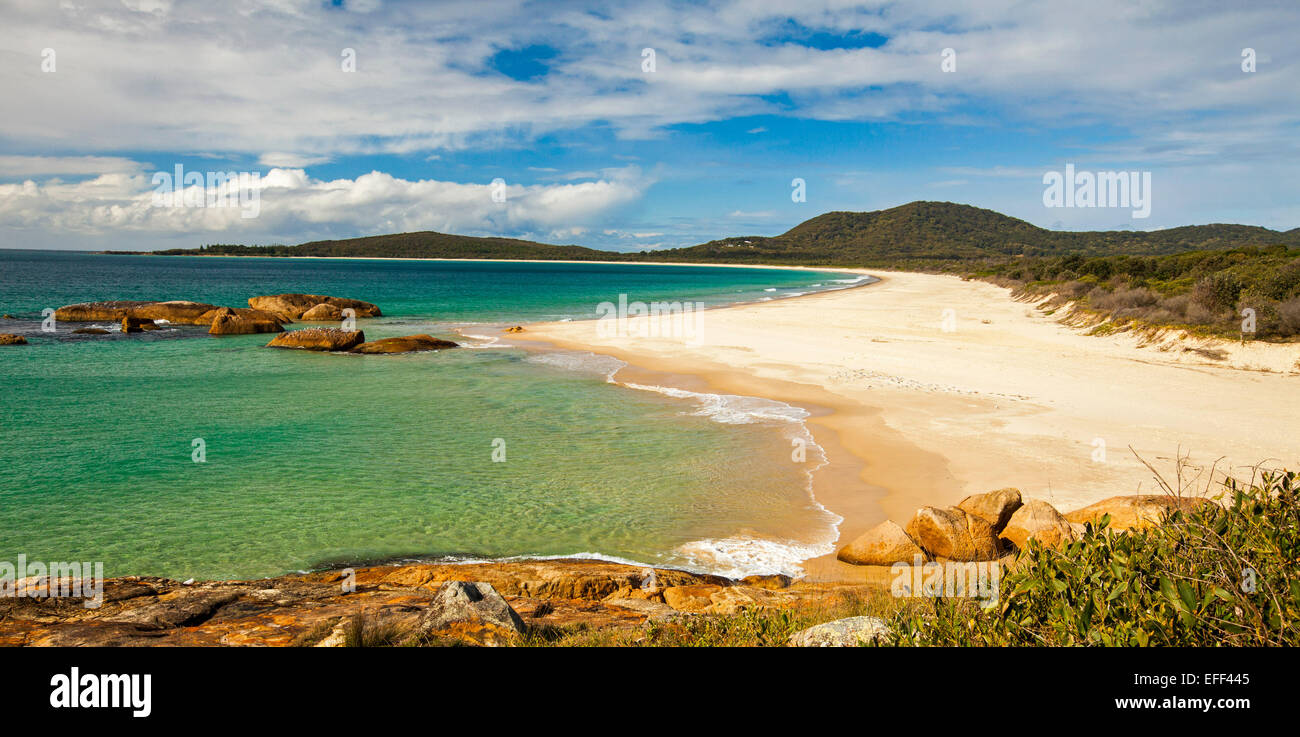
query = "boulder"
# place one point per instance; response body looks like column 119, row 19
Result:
column 694, row 598
column 7, row 316
column 1137, row 511
column 850, row 632
column 293, row 306
column 323, row 312
column 91, row 331
column 180, row 312
column 319, row 339
column 994, row 507
column 11, row 339
column 132, row 324
column 953, row 533
column 1038, row 520
column 404, row 344
column 472, row 611
column 226, row 321
column 883, row 545
column 515, row 329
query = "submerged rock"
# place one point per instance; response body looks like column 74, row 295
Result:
column 293, row 306
column 849, row 632
column 91, row 331
column 132, row 324
column 405, row 344
column 883, row 545
column 319, row 339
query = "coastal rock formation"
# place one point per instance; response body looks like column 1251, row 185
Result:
column 180, row 312
column 1038, row 520
column 226, row 321
column 1137, row 511
column 98, row 311
column 316, row 608
column 7, row 316
column 132, row 324
column 515, row 329
column 954, row 534
column 319, row 339
column 90, row 331
column 849, row 632
column 323, row 313
column 472, row 611
column 690, row 598
column 293, row 306
column 882, row 545
column 11, row 339
column 405, row 344
column 994, row 507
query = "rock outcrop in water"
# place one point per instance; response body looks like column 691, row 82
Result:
column 227, row 321
column 293, row 306
column 405, row 344
column 264, row 315
column 319, row 339
column 11, row 339
column 323, row 313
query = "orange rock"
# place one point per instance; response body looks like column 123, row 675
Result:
column 1137, row 511
column 319, row 339
column 405, row 344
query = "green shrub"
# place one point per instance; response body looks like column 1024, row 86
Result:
column 1211, row 575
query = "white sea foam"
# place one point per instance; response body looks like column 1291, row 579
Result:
column 737, row 557
column 582, row 362
column 741, row 555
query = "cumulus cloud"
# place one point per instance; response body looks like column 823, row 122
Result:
column 289, row 201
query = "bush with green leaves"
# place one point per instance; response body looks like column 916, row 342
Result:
column 1215, row 574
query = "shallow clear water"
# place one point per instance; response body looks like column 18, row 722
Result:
column 314, row 459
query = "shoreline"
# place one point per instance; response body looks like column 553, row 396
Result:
column 924, row 417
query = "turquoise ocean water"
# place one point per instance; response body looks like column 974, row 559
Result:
column 316, row 459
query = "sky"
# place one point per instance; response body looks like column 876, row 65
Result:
column 631, row 125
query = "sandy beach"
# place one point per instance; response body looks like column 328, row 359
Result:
column 926, row 388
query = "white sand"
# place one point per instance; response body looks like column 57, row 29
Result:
column 1010, row 397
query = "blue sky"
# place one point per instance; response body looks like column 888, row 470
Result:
column 596, row 149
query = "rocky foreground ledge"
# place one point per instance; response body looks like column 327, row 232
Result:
column 475, row 603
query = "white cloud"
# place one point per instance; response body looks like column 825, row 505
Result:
column 291, row 202
column 292, row 161
column 43, row 166
column 256, row 77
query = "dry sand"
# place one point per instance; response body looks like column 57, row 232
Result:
column 913, row 414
